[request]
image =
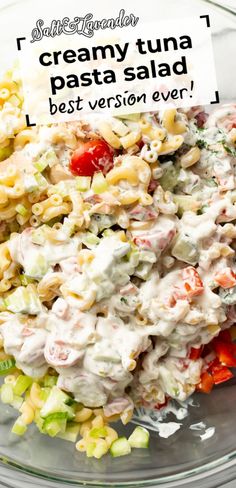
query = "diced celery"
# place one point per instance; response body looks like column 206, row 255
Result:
column 97, row 432
column 139, row 438
column 90, row 239
column 170, row 178
column 100, row 449
column 6, row 366
column 41, row 165
column 185, row 250
column 108, row 232
column 56, row 416
column 50, row 380
column 22, row 210
column 30, row 183
column 44, row 393
column 24, row 300
column 120, row 447
column 17, row 402
column 51, row 157
column 71, row 433
column 99, row 183
column 143, row 270
column 209, row 182
column 185, row 203
column 42, row 182
column 55, row 423
column 91, row 446
column 38, row 267
column 147, row 256
column 57, row 402
column 228, row 295
column 25, row 280
column 83, row 183
column 7, row 394
column 38, row 236
column 22, row 384
column 19, row 428
column 47, row 159
column 132, row 117
column 39, row 421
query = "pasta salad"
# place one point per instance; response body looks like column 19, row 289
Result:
column 117, row 266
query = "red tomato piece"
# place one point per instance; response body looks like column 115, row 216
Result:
column 195, row 353
column 226, row 278
column 91, row 157
column 206, row 384
column 221, row 374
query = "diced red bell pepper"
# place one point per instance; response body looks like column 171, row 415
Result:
column 206, row 384
column 225, row 351
column 220, row 374
column 226, row 278
column 195, row 353
column 192, row 283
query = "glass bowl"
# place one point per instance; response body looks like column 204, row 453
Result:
column 185, row 458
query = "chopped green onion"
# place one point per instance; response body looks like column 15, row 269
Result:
column 83, row 183
column 7, row 394
column 19, row 428
column 22, row 384
column 120, row 447
column 99, row 183
column 139, row 438
column 6, row 366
